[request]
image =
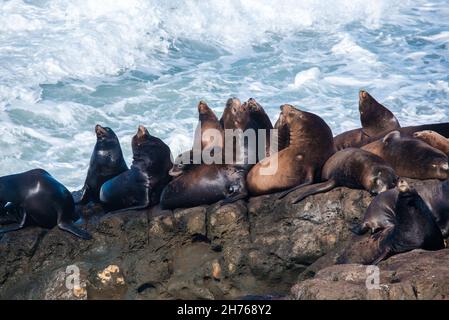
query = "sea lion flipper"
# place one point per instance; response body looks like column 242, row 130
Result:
column 314, row 189
column 74, row 230
column 15, row 226
column 286, row 192
column 81, row 196
column 359, row 229
column 233, row 198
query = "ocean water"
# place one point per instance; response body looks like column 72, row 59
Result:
column 67, row 65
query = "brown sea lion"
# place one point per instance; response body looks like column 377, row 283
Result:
column 205, row 184
column 351, row 168
column 246, row 120
column 399, row 220
column 410, row 157
column 433, row 139
column 376, row 121
column 311, row 144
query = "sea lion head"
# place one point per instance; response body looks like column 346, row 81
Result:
column 140, row 139
column 235, row 115
column 304, row 124
column 104, row 134
column 403, row 186
column 381, row 180
column 183, row 162
column 205, row 112
column 375, row 118
column 253, row 105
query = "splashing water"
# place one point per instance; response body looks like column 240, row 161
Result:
column 67, row 65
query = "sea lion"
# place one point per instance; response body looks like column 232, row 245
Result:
column 410, row 157
column 399, row 220
column 351, row 168
column 35, row 198
column 106, row 162
column 247, row 120
column 376, row 121
column 140, row 186
column 205, row 184
column 433, row 139
column 310, row 145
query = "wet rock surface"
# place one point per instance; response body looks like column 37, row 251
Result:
column 259, row 247
column 248, row 248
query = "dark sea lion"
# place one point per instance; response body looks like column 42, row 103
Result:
column 376, row 121
column 399, row 220
column 433, row 139
column 375, row 118
column 140, row 186
column 106, row 163
column 205, row 184
column 410, row 157
column 351, row 168
column 310, row 145
column 35, row 198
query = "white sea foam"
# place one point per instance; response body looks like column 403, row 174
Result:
column 67, row 65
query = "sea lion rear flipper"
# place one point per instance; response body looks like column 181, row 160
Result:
column 74, row 230
column 359, row 229
column 309, row 190
column 286, row 192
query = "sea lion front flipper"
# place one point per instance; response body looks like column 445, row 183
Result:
column 74, row 230
column 15, row 226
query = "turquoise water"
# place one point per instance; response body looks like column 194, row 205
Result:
column 67, row 65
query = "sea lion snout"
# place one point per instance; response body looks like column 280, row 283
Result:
column 363, row 95
column 141, row 131
column 100, row 131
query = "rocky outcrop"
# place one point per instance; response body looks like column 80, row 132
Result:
column 413, row 275
column 260, row 247
column 257, row 247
